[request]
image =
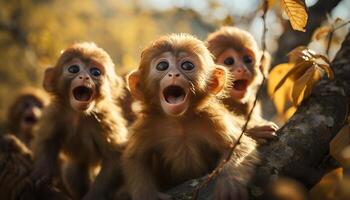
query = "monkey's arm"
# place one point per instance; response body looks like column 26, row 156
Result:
column 46, row 150
column 108, row 179
column 232, row 181
column 140, row 183
column 137, row 170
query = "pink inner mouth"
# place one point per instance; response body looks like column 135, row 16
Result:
column 174, row 94
column 240, row 85
column 82, row 93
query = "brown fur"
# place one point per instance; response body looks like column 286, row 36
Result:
column 86, row 139
column 164, row 151
column 126, row 102
column 16, row 165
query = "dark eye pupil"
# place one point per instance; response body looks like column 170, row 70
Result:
column 247, row 59
column 187, row 65
column 73, row 69
column 162, row 66
column 95, row 72
column 229, row 61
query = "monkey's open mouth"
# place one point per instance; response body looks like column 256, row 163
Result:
column 82, row 93
column 240, row 84
column 30, row 119
column 174, row 94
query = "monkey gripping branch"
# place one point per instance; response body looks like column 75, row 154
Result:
column 303, row 141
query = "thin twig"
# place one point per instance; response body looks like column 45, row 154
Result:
column 329, row 42
column 331, row 34
column 218, row 169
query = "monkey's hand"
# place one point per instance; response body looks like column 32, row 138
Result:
column 42, row 174
column 263, row 133
column 229, row 189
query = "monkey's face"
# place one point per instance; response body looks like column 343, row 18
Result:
column 177, row 83
column 30, row 113
column 84, row 78
column 241, row 66
column 174, row 75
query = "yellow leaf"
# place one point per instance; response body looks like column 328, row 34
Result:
column 298, row 54
column 294, row 73
column 290, row 112
column 327, row 188
column 339, row 143
column 328, row 70
column 276, row 74
column 301, row 68
column 279, row 97
column 296, row 11
column 301, row 86
column 306, row 82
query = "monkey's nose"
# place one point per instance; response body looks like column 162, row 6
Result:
column 241, row 70
column 84, row 77
column 171, row 75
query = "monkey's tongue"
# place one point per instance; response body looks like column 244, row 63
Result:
column 82, row 93
column 240, row 85
column 174, row 94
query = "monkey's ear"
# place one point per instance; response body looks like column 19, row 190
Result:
column 49, row 77
column 266, row 63
column 218, row 80
column 133, row 81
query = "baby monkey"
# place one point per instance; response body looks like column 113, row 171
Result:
column 237, row 50
column 183, row 131
column 82, row 122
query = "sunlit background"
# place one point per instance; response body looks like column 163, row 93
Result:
column 33, row 32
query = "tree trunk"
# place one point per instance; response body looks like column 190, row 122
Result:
column 303, row 140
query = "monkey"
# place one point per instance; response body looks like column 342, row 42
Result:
column 15, row 162
column 83, row 123
column 16, row 165
column 237, row 50
column 182, row 131
column 25, row 112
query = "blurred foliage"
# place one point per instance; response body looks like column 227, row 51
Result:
column 33, row 32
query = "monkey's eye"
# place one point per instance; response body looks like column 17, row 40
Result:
column 247, row 59
column 95, row 71
column 187, row 65
column 162, row 66
column 73, row 69
column 229, row 61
